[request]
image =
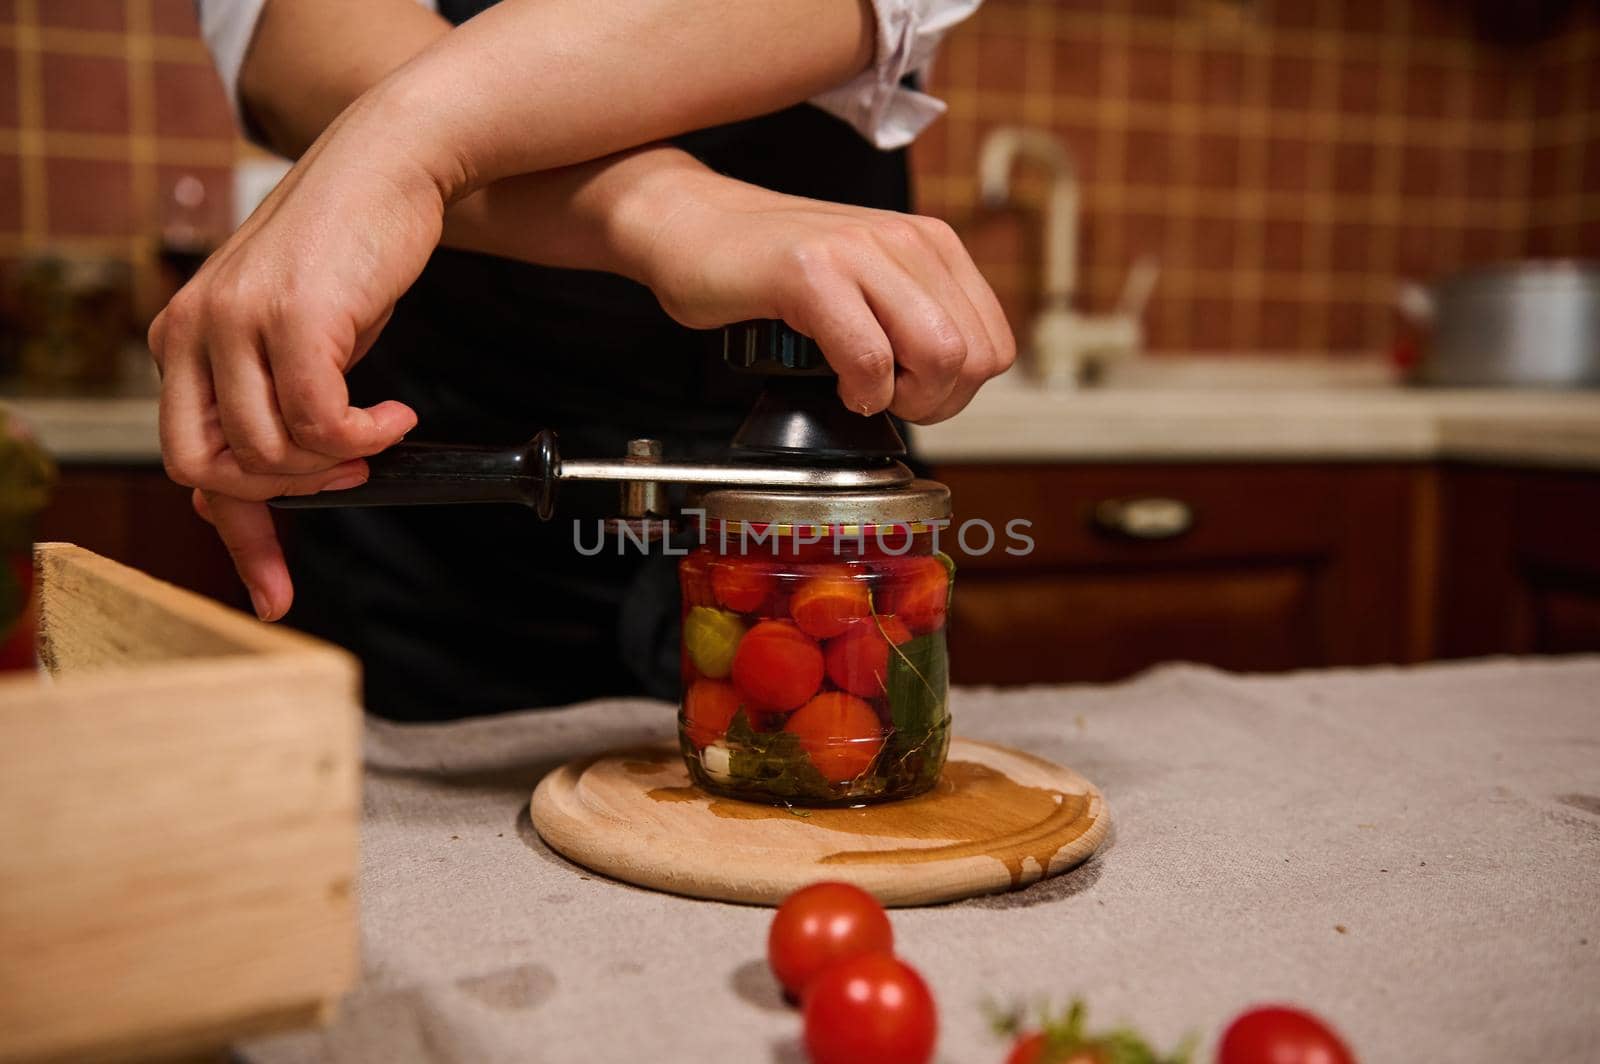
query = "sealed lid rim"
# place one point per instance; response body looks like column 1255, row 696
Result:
column 919, row 502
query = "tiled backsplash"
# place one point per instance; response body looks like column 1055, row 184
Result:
column 1286, row 161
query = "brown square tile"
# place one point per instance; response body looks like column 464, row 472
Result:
column 190, row 101
column 1485, row 244
column 1544, row 170
column 1079, row 61
column 1542, row 240
column 1486, row 172
column 1166, row 325
column 83, row 93
column 1363, row 16
column 1150, row 73
column 1427, row 90
column 1215, row 242
column 82, row 14
column 1279, row 326
column 1591, row 161
column 1213, row 325
column 1283, row 244
column 1490, row 91
column 1418, row 250
column 1589, row 238
column 1289, row 83
column 1289, row 14
column 1359, row 88
column 1147, row 157
column 1288, row 165
column 1354, row 167
column 175, row 17
column 90, row 198
column 1216, row 161
column 1421, row 171
column 8, row 89
column 1355, row 327
column 1082, row 147
column 10, row 194
column 1220, row 76
column 1144, row 234
column 1551, row 90
column 1350, row 247
column 1002, row 62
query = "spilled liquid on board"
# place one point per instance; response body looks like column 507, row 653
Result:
column 973, row 811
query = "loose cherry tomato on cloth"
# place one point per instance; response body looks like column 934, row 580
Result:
column 823, row 924
column 777, row 666
column 708, row 708
column 871, row 1009
column 824, row 605
column 1278, row 1034
column 918, row 592
column 742, row 584
column 840, row 732
column 1029, row 1049
column 858, row 660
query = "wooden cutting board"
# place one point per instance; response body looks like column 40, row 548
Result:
column 998, row 820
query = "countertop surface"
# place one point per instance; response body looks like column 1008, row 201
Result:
column 1012, row 422
column 1413, row 853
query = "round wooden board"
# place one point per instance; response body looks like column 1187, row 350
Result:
column 998, row 820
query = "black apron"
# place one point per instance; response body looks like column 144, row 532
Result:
column 457, row 611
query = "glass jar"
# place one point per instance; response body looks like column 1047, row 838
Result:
column 814, row 662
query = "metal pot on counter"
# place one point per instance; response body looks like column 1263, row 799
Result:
column 1524, row 324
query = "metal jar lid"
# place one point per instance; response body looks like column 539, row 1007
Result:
column 919, row 502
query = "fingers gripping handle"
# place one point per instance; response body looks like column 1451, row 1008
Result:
column 425, row 474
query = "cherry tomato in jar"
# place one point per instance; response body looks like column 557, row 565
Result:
column 742, row 584
column 711, row 636
column 709, row 707
column 826, row 604
column 821, row 925
column 840, row 732
column 871, row 1009
column 858, row 660
column 777, row 666
column 1279, row 1034
column 917, row 591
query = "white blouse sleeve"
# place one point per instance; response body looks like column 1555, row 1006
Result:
column 881, row 109
column 874, row 102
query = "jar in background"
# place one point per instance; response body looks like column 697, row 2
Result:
column 26, row 477
column 814, row 663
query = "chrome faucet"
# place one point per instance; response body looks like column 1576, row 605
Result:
column 1067, row 348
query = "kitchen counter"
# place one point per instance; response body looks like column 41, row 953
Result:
column 1010, row 422
column 1412, row 853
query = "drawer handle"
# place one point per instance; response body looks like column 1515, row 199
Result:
column 1148, row 518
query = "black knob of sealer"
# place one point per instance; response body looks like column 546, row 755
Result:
column 771, row 347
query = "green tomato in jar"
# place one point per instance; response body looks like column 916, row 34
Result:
column 711, row 636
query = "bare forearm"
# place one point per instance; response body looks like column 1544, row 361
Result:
column 311, row 60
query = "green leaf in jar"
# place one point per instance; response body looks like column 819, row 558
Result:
column 772, row 763
column 919, row 678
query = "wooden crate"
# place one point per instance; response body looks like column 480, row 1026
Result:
column 179, row 810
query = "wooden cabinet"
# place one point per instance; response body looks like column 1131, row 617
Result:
column 135, row 515
column 1243, row 566
column 1276, row 567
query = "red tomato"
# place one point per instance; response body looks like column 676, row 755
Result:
column 825, row 605
column 741, row 584
column 840, row 732
column 871, row 1009
column 858, row 660
column 709, row 707
column 1029, row 1049
column 1280, row 1035
column 917, row 592
column 777, row 666
column 823, row 924
column 694, row 579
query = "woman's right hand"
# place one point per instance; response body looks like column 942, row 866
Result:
column 893, row 300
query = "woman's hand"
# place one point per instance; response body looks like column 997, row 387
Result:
column 253, row 351
column 894, row 301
